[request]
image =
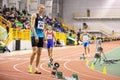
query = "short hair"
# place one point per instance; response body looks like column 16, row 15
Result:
column 41, row 5
column 85, row 26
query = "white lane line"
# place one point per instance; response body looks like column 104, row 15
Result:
column 65, row 65
column 41, row 66
column 60, row 59
column 16, row 69
column 14, row 66
column 12, row 74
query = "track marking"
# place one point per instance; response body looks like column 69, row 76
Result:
column 44, row 68
column 10, row 74
column 57, row 59
column 65, row 65
column 16, row 69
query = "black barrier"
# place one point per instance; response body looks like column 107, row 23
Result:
column 17, row 46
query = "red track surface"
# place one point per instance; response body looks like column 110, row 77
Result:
column 16, row 67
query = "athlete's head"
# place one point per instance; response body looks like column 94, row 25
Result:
column 85, row 26
column 41, row 8
column 49, row 27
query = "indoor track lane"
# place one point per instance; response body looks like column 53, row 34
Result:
column 15, row 67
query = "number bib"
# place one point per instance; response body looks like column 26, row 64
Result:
column 49, row 36
column 40, row 25
column 85, row 38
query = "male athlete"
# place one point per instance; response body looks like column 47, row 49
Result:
column 37, row 38
column 50, row 42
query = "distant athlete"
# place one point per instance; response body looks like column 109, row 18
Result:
column 50, row 37
column 86, row 40
column 86, row 43
column 98, row 43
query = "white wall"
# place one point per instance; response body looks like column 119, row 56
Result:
column 4, row 3
column 48, row 7
column 98, row 8
column 11, row 45
column 33, row 6
column 24, row 45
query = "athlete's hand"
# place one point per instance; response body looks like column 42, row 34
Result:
column 45, row 42
column 45, row 39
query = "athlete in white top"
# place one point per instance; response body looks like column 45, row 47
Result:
column 86, row 43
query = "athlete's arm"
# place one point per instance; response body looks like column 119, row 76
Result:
column 81, row 37
column 45, row 33
column 33, row 17
column 89, row 35
column 54, row 36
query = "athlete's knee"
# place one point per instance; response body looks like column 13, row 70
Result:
column 38, row 53
column 34, row 53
